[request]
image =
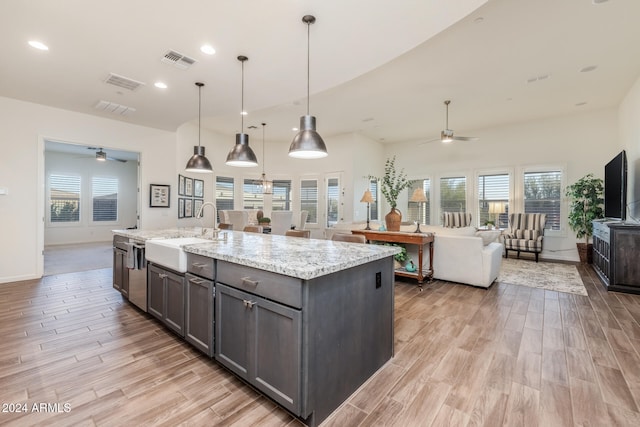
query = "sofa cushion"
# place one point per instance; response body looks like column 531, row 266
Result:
column 527, row 234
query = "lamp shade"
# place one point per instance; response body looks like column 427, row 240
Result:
column 418, row 196
column 496, row 207
column 198, row 162
column 241, row 154
column 367, row 197
column 308, row 143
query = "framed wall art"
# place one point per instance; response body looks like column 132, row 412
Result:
column 188, row 186
column 198, row 188
column 180, row 185
column 159, row 196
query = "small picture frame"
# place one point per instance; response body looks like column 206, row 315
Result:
column 198, row 188
column 180, row 185
column 180, row 208
column 197, row 204
column 188, row 186
column 188, row 208
column 159, row 196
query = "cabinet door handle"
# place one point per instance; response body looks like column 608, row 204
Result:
column 248, row 281
column 248, row 304
column 162, row 276
column 196, row 281
column 199, row 265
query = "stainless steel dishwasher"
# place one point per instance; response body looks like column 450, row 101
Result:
column 130, row 270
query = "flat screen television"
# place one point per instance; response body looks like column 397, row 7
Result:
column 615, row 187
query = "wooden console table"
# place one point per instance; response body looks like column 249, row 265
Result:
column 419, row 239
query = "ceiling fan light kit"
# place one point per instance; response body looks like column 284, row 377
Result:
column 308, row 144
column 101, row 156
column 241, row 155
column 198, row 162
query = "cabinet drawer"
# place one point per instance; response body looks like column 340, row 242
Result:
column 201, row 266
column 276, row 287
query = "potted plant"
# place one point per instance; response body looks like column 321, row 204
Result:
column 392, row 183
column 585, row 205
column 264, row 220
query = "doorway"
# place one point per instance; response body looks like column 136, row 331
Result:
column 88, row 192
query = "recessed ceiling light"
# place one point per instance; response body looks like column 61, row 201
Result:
column 588, row 68
column 207, row 49
column 38, row 45
column 160, row 85
column 244, row 113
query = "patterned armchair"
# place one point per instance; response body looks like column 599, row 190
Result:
column 525, row 233
column 456, row 219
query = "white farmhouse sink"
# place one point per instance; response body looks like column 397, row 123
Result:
column 169, row 253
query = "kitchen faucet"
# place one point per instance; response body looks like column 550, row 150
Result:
column 199, row 215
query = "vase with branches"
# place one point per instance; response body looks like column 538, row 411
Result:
column 392, row 183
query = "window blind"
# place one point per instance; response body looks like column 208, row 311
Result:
column 493, row 199
column 453, row 194
column 105, row 198
column 542, row 194
column 224, row 194
column 252, row 197
column 309, row 199
column 281, row 200
column 64, row 198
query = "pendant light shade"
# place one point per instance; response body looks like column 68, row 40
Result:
column 265, row 185
column 308, row 144
column 241, row 155
column 198, row 162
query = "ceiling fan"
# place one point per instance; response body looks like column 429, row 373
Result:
column 447, row 136
column 101, row 155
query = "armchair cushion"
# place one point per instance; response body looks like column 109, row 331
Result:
column 527, row 234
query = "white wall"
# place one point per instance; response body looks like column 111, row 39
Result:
column 629, row 114
column 24, row 127
column 87, row 167
column 578, row 143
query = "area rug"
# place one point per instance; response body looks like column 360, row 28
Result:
column 543, row 275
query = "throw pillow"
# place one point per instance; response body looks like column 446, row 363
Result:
column 488, row 236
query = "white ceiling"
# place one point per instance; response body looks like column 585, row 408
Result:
column 379, row 68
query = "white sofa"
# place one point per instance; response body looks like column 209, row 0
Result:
column 461, row 255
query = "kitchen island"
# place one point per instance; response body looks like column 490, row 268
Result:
column 304, row 321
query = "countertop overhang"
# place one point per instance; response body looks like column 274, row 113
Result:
column 292, row 256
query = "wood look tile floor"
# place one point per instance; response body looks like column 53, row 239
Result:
column 464, row 356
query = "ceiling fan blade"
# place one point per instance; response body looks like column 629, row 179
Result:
column 116, row 160
column 430, row 141
column 466, row 138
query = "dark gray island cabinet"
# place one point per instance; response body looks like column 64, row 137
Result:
column 305, row 322
column 306, row 344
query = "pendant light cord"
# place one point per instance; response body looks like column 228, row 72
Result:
column 199, row 111
column 308, row 62
column 263, row 159
column 242, row 100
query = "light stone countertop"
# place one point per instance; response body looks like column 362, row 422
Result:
column 292, row 256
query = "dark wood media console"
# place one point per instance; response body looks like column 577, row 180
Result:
column 616, row 255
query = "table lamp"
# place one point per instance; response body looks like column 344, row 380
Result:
column 418, row 196
column 496, row 208
column 367, row 198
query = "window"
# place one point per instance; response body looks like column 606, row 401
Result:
column 224, row 194
column 493, row 199
column 309, row 199
column 453, row 194
column 64, row 198
column 105, row 198
column 373, row 207
column 252, row 197
column 333, row 201
column 420, row 211
column 542, row 194
column 281, row 200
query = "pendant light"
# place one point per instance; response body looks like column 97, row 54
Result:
column 241, row 154
column 308, row 144
column 265, row 186
column 198, row 162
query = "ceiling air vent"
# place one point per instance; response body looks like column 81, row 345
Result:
column 123, row 82
column 112, row 107
column 178, row 60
